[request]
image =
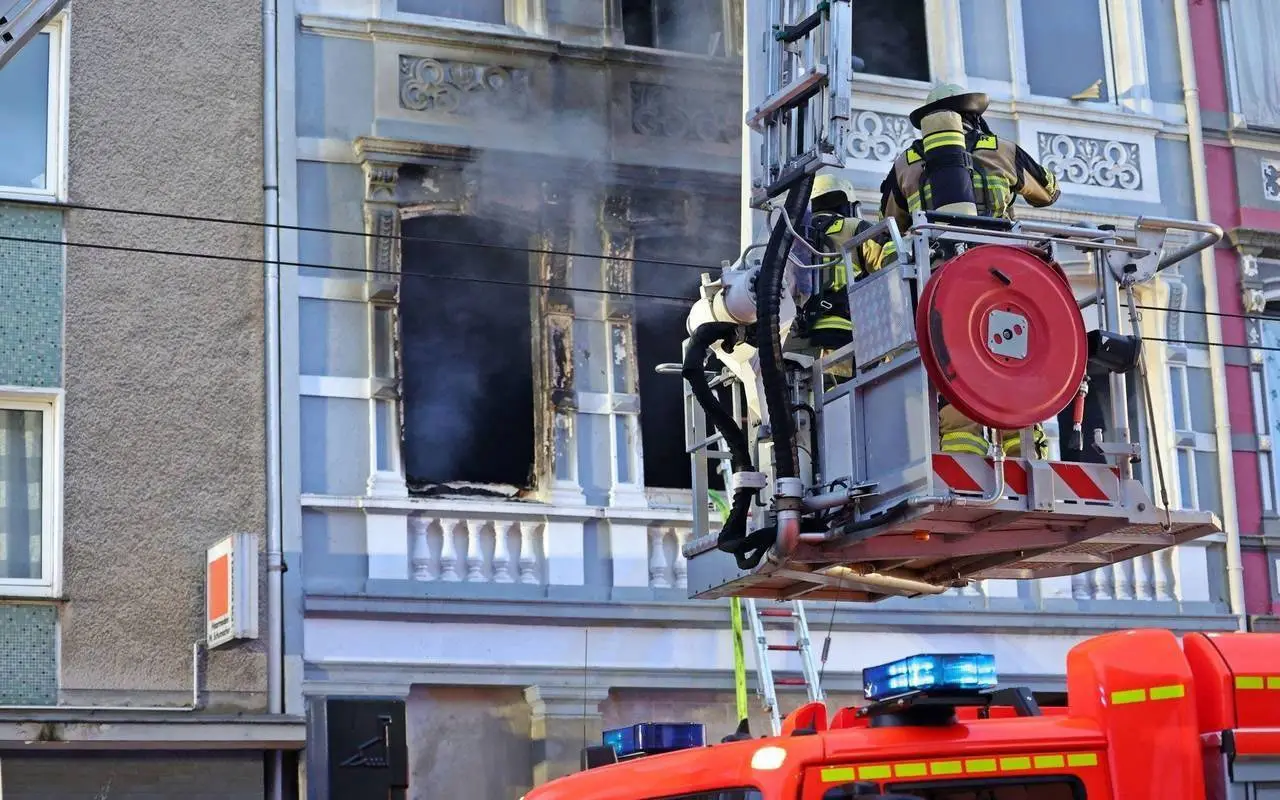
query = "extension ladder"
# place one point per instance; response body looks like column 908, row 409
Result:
column 21, row 20
column 766, row 682
column 804, row 118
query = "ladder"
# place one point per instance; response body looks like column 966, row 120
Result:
column 21, row 20
column 767, row 683
column 804, row 118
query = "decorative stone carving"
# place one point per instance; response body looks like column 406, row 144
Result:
column 380, row 180
column 1082, row 160
column 1248, row 265
column 456, row 87
column 676, row 113
column 875, row 136
column 1271, row 180
column 1177, row 299
column 1255, row 301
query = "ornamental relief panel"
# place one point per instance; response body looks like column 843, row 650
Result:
column 1086, row 161
column 669, row 112
column 461, row 88
column 878, row 136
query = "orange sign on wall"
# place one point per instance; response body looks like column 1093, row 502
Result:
column 231, row 590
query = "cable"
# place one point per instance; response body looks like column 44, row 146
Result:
column 1227, row 314
column 664, row 299
column 366, row 235
column 1213, row 344
column 660, row 298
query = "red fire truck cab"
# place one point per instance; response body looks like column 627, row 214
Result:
column 1147, row 716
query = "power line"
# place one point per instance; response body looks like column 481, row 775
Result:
column 661, row 298
column 368, row 235
column 1213, row 344
column 1200, row 312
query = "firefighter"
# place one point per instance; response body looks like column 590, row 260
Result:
column 833, row 221
column 959, row 166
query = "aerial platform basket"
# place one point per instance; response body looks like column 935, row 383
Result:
column 981, row 313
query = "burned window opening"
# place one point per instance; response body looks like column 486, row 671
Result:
column 467, row 367
column 891, row 37
column 690, row 26
column 660, row 333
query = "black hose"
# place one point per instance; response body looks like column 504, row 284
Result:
column 769, row 338
column 746, row 549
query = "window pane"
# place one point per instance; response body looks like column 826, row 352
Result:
column 1178, row 397
column 24, row 134
column 622, row 443
column 474, row 10
column 1186, row 477
column 691, row 26
column 1209, row 498
column 1253, row 25
column 1065, row 26
column 383, row 362
column 21, row 493
column 889, row 35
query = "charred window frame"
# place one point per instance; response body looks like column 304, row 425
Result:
column 467, row 369
column 688, row 26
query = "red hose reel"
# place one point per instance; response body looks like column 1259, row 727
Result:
column 1001, row 336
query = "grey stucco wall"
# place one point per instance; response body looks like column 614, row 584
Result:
column 119, row 776
column 164, row 355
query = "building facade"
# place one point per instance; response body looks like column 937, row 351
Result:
column 485, row 491
column 131, row 404
column 1237, row 73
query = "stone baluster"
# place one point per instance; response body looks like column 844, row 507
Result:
column 1144, row 577
column 528, row 552
column 420, row 547
column 502, row 552
column 1163, row 568
column 681, row 565
column 449, row 552
column 1104, row 580
column 1082, row 587
column 1123, row 575
column 475, row 553
column 658, row 560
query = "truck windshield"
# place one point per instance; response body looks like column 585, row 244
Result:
column 1048, row 789
column 719, row 794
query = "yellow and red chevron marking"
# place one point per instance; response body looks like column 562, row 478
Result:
column 957, row 767
column 1095, row 483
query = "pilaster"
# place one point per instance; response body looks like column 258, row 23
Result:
column 562, row 718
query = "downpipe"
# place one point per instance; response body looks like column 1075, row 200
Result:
column 1208, row 272
column 271, row 325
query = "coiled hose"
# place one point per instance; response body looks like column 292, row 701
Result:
column 749, row 549
column 733, row 538
column 769, row 337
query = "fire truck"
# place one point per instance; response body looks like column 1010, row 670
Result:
column 840, row 489
column 1147, row 716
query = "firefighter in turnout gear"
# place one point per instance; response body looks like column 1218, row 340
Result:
column 959, row 166
column 833, row 221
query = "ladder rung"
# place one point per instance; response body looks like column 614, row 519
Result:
column 796, row 92
column 790, row 648
column 801, row 29
column 777, row 612
column 791, row 681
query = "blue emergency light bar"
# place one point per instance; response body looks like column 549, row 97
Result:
column 938, row 673
column 654, row 737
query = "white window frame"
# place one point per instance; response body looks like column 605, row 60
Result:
column 726, row 36
column 1124, row 52
column 50, row 403
column 55, row 189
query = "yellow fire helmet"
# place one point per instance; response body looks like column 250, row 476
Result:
column 826, row 183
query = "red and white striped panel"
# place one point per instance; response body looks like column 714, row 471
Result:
column 1088, row 483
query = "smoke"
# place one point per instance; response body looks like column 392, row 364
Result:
column 549, row 143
